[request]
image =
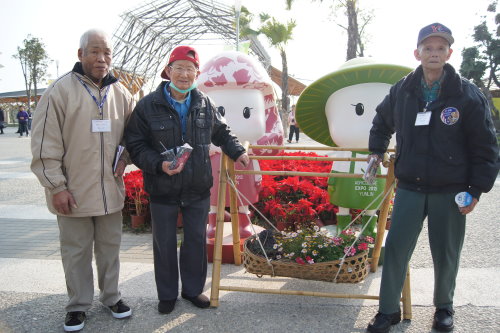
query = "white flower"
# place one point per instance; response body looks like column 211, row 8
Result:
column 278, row 257
column 316, row 228
column 304, row 251
column 275, row 246
column 304, row 244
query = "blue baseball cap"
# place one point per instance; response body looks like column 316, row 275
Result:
column 435, row 29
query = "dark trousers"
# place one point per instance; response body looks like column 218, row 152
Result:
column 192, row 263
column 23, row 127
column 296, row 130
column 446, row 236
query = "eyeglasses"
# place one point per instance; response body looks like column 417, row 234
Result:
column 181, row 70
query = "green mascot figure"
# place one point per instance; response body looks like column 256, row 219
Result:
column 337, row 110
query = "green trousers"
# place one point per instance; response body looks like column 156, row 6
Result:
column 446, row 227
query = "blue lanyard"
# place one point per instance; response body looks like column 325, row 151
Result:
column 103, row 100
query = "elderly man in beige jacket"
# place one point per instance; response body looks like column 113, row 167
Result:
column 78, row 125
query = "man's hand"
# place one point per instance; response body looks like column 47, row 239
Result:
column 467, row 209
column 165, row 167
column 244, row 160
column 63, row 202
column 120, row 168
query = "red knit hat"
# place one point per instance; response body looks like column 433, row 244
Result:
column 182, row 53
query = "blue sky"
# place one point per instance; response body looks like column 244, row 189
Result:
column 317, row 49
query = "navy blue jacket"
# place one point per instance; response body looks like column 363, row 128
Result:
column 456, row 152
column 153, row 121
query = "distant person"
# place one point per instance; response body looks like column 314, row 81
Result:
column 177, row 113
column 30, row 119
column 78, row 125
column 22, row 118
column 2, row 120
column 446, row 145
column 294, row 127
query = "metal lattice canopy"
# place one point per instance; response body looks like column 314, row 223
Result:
column 149, row 32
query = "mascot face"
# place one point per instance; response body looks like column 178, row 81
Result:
column 338, row 109
column 244, row 112
column 239, row 86
column 350, row 112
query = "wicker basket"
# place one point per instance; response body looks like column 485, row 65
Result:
column 353, row 270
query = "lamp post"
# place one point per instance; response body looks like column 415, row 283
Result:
column 237, row 8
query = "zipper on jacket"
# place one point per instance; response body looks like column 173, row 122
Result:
column 104, row 201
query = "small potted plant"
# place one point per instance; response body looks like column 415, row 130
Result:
column 136, row 198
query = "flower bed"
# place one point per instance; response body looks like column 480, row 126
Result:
column 291, row 201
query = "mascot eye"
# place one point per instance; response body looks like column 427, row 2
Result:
column 360, row 108
column 246, row 112
column 221, row 110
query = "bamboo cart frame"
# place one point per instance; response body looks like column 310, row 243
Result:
column 227, row 170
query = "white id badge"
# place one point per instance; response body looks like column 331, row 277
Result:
column 101, row 125
column 423, row 118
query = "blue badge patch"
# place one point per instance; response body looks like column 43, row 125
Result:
column 450, row 115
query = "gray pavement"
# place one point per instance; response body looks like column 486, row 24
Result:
column 33, row 291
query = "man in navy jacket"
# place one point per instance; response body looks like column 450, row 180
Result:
column 446, row 145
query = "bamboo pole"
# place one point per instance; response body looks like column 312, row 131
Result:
column 382, row 219
column 217, row 256
column 304, row 174
column 320, row 148
column 233, row 208
column 308, row 158
column 406, row 297
column 296, row 292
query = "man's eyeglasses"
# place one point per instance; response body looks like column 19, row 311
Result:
column 181, row 70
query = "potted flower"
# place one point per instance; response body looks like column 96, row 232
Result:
column 136, row 198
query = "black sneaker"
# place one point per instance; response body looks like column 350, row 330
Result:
column 120, row 310
column 443, row 320
column 74, row 321
column 382, row 323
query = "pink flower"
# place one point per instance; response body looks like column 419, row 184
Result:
column 309, row 260
column 363, row 246
column 350, row 251
column 300, row 261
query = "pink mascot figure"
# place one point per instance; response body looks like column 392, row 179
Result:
column 242, row 92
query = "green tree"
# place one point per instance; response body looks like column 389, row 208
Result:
column 357, row 20
column 481, row 63
column 278, row 35
column 34, row 62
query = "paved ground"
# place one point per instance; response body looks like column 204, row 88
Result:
column 33, row 294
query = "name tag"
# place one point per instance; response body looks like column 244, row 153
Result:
column 423, row 118
column 101, row 125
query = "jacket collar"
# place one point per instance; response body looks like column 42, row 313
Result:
column 108, row 79
column 451, row 85
column 159, row 96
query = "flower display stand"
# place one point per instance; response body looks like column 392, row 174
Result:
column 227, row 170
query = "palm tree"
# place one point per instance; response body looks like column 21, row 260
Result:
column 278, row 35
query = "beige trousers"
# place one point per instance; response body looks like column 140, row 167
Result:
column 78, row 235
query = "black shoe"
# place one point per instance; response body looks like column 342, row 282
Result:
column 166, row 307
column 120, row 310
column 200, row 301
column 443, row 320
column 74, row 321
column 382, row 323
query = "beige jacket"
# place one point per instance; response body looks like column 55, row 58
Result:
column 68, row 155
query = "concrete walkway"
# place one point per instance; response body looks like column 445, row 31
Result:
column 33, row 291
